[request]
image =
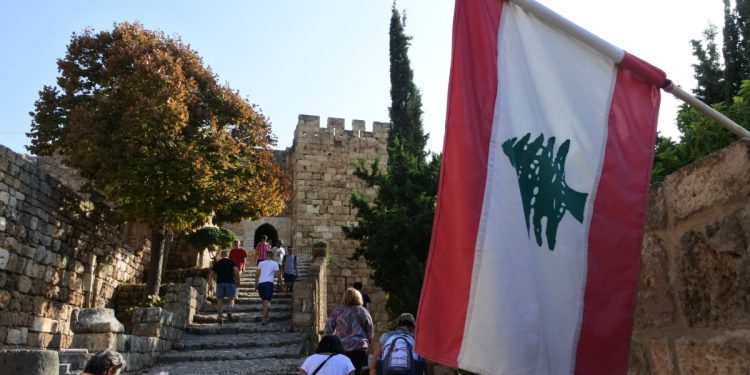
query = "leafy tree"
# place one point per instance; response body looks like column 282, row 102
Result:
column 138, row 115
column 721, row 84
column 394, row 230
column 211, row 237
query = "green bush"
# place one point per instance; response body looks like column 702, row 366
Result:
column 212, row 238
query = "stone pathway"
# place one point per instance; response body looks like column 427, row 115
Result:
column 242, row 346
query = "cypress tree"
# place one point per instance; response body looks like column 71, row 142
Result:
column 734, row 60
column 394, row 230
column 725, row 86
column 708, row 72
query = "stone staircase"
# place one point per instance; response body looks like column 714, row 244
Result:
column 243, row 345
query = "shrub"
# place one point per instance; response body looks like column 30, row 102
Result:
column 212, row 238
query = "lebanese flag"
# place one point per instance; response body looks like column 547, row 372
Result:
column 534, row 262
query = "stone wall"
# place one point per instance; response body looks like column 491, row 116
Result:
column 309, row 302
column 58, row 251
column 693, row 312
column 245, row 230
column 321, row 164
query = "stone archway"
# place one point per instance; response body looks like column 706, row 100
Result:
column 269, row 231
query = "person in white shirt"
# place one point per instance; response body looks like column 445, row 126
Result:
column 268, row 270
column 328, row 359
column 279, row 252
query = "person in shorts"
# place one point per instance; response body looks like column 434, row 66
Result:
column 238, row 254
column 289, row 269
column 227, row 277
column 268, row 271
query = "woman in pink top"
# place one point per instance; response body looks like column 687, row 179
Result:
column 352, row 323
column 261, row 249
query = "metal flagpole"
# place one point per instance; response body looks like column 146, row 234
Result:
column 711, row 113
column 617, row 54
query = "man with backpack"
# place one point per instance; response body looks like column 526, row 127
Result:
column 394, row 353
column 290, row 270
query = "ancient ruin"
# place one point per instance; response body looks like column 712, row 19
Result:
column 66, row 257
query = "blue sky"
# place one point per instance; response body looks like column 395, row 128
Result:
column 326, row 58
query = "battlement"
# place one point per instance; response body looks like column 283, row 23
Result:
column 309, row 126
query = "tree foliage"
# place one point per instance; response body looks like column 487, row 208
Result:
column 211, row 237
column 394, row 230
column 708, row 71
column 139, row 115
column 721, row 83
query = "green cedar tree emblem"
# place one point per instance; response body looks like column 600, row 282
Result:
column 541, row 180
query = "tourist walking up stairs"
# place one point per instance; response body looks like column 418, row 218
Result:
column 243, row 346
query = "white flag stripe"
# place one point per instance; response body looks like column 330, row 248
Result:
column 556, row 86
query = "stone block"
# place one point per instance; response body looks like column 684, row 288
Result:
column 40, row 339
column 656, row 214
column 709, row 182
column 95, row 320
column 124, row 343
column 4, row 299
column 40, row 306
column 727, row 354
column 300, row 319
column 147, row 329
column 29, row 362
column 139, row 344
column 76, row 358
column 24, row 284
column 40, row 324
column 8, row 318
column 712, row 271
column 655, row 302
column 134, row 361
column 96, row 342
column 17, row 336
column 19, row 264
column 661, row 357
column 4, row 257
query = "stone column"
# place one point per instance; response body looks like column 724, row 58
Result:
column 97, row 329
column 29, row 362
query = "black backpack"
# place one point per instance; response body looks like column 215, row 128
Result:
column 399, row 364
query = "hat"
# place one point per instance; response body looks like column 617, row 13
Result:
column 405, row 319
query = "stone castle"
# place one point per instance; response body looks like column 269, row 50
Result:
column 320, row 165
column 61, row 251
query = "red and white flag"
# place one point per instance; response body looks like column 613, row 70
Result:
column 546, row 165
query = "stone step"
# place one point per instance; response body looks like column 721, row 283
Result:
column 300, row 266
column 239, row 328
column 249, row 299
column 251, row 276
column 260, row 366
column 250, row 307
column 272, row 353
column 243, row 317
column 242, row 340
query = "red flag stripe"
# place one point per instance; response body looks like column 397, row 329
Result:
column 616, row 228
column 471, row 105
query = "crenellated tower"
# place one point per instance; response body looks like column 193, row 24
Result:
column 320, row 167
